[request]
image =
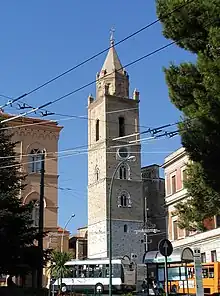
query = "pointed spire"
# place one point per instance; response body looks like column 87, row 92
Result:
column 112, row 61
column 112, row 80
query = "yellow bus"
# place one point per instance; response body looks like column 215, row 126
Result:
column 182, row 278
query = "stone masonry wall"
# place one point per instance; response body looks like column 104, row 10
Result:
column 126, row 243
column 97, row 240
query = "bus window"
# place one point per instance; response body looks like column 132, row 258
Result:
column 211, row 272
column 190, row 272
column 116, row 270
column 84, row 271
column 182, row 273
column 80, row 271
column 74, row 271
column 91, row 271
column 98, row 271
column 70, row 271
column 106, row 270
column 174, row 274
column 205, row 273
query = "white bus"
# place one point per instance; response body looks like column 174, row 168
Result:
column 93, row 274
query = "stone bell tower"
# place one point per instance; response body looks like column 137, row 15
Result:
column 113, row 114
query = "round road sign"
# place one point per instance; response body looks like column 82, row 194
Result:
column 165, row 247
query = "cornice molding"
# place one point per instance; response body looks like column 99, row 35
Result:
column 37, row 133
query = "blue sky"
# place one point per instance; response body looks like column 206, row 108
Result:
column 40, row 39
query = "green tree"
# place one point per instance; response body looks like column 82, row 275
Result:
column 16, row 231
column 57, row 267
column 194, row 88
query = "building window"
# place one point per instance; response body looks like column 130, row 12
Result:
column 35, row 161
column 36, row 213
column 125, row 228
column 213, row 256
column 173, row 184
column 121, row 122
column 124, row 172
column 217, row 221
column 203, row 257
column 97, row 174
column 181, row 233
column 124, row 200
column 175, row 230
column 97, row 130
column 184, row 176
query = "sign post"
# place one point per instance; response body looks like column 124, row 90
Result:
column 198, row 272
column 148, row 228
column 166, row 249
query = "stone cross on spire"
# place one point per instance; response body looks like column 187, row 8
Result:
column 112, row 40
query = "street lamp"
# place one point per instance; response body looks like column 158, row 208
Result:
column 130, row 158
column 62, row 237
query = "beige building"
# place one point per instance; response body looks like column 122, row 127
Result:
column 33, row 136
column 208, row 241
column 113, row 114
column 78, row 243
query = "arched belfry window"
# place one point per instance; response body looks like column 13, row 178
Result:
column 124, row 200
column 34, row 161
column 36, row 213
column 97, row 130
column 121, row 122
column 124, row 172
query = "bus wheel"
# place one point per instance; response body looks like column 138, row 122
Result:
column 99, row 289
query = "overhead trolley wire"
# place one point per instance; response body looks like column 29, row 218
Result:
column 94, row 56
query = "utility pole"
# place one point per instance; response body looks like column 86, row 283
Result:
column 145, row 223
column 41, row 222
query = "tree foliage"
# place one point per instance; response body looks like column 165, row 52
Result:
column 58, row 260
column 194, row 88
column 16, row 232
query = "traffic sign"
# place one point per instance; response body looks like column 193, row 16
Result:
column 147, row 230
column 165, row 247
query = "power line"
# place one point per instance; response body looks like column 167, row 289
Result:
column 152, row 131
column 94, row 81
column 69, row 117
column 35, row 109
column 95, row 55
column 174, row 133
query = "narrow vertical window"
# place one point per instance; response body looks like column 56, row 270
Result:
column 35, row 161
column 184, row 176
column 122, row 172
column 121, row 122
column 123, row 200
column 203, row 257
column 125, row 228
column 217, row 221
column 97, row 130
column 175, row 230
column 213, row 256
column 173, row 179
column 97, row 173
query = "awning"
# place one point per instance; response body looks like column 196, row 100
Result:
column 178, row 256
